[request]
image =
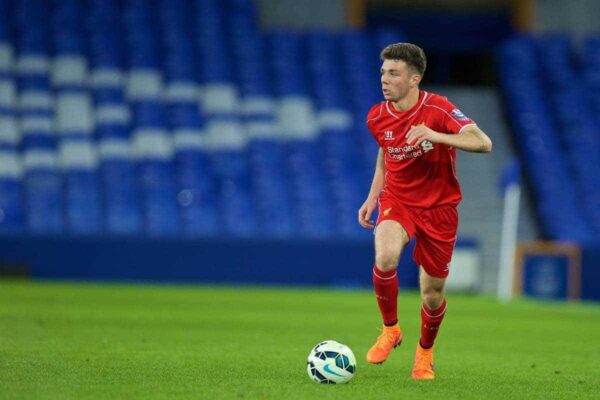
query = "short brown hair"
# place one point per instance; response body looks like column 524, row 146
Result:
column 411, row 54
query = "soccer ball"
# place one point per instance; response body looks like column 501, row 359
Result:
column 331, row 362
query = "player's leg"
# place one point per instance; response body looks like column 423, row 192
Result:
column 433, row 310
column 435, row 245
column 390, row 239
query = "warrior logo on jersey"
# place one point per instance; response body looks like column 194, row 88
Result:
column 388, row 135
column 459, row 115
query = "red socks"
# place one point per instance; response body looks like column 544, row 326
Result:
column 430, row 323
column 386, row 291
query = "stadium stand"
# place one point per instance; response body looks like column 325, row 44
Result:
column 134, row 118
column 551, row 92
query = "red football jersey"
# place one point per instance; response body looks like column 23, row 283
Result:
column 418, row 176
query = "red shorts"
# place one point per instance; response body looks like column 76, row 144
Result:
column 434, row 230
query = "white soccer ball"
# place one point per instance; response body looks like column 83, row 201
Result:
column 331, row 362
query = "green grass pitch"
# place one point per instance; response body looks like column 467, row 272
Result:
column 109, row 341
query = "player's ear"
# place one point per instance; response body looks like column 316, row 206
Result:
column 415, row 79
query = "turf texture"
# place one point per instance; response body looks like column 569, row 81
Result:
column 109, row 341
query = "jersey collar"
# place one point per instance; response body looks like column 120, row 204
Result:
column 408, row 113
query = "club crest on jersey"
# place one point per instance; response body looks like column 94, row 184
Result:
column 388, row 135
column 426, row 145
column 458, row 114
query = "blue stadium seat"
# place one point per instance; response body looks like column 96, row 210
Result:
column 158, row 132
column 197, row 198
column 149, row 113
column 37, row 132
column 43, row 191
column 11, row 203
column 83, row 214
column 270, row 186
column 591, row 57
column 153, row 150
column 384, row 36
column 524, row 64
column 120, row 194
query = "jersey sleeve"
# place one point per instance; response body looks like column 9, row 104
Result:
column 454, row 120
column 372, row 116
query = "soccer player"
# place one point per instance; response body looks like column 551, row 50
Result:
column 416, row 190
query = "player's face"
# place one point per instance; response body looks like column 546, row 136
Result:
column 396, row 79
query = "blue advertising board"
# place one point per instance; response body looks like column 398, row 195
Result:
column 546, row 276
column 548, row 270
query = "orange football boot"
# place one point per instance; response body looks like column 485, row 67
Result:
column 423, row 368
column 390, row 337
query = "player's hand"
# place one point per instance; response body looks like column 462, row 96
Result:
column 419, row 133
column 365, row 212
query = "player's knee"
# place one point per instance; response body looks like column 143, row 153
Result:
column 432, row 298
column 386, row 260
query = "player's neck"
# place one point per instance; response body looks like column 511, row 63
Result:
column 408, row 101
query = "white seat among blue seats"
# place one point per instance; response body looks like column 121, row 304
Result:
column 8, row 92
column 182, row 91
column 74, row 113
column 32, row 101
column 69, row 71
column 257, row 107
column 144, row 84
column 10, row 133
column 112, row 113
column 219, row 98
column 296, row 118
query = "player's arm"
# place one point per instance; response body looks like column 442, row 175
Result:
column 470, row 138
column 370, row 205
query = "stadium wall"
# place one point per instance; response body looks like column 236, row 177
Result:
column 221, row 261
column 226, row 261
column 229, row 261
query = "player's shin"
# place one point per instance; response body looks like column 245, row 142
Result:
column 430, row 323
column 386, row 291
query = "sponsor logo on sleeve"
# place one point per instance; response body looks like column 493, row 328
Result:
column 456, row 113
